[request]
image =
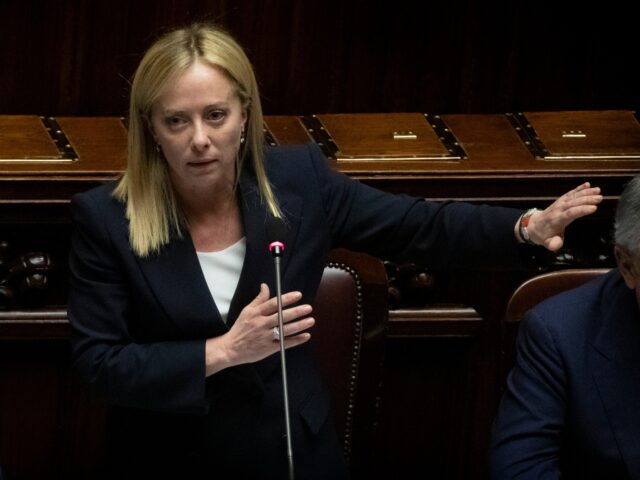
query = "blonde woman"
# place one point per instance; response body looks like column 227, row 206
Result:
column 171, row 281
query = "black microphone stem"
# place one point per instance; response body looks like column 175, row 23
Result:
column 284, row 370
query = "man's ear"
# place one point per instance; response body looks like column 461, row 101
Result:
column 626, row 266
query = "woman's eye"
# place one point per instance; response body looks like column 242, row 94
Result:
column 174, row 121
column 217, row 115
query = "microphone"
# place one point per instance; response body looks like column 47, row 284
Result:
column 276, row 230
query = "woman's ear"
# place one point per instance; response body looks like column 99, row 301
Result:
column 243, row 127
column 147, row 121
column 626, row 265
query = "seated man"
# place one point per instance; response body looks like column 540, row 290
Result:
column 572, row 404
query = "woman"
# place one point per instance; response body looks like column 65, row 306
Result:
column 170, row 298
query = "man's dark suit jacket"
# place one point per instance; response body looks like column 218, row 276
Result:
column 572, row 405
column 140, row 324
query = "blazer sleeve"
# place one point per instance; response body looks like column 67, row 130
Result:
column 399, row 227
column 526, row 435
column 160, row 376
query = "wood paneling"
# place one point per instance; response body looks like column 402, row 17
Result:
column 66, row 57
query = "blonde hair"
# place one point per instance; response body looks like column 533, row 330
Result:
column 151, row 207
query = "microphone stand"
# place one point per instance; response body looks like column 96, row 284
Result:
column 277, row 253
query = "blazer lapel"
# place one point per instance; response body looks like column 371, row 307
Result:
column 179, row 285
column 259, row 265
column 616, row 360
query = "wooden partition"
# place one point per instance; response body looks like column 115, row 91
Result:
column 443, row 360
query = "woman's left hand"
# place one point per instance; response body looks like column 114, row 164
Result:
column 546, row 227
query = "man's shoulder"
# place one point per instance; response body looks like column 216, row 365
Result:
column 576, row 309
column 584, row 295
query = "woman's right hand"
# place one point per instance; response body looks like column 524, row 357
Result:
column 251, row 337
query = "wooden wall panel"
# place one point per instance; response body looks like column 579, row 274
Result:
column 69, row 57
column 48, row 419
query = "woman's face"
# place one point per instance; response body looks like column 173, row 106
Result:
column 197, row 121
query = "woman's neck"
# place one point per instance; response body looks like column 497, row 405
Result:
column 214, row 222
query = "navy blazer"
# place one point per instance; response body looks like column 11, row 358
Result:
column 572, row 404
column 140, row 324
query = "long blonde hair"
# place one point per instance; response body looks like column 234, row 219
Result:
column 151, row 206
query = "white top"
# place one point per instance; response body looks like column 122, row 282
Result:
column 222, row 273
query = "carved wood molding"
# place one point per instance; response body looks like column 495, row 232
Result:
column 23, row 277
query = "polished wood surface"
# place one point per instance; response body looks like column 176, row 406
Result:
column 588, row 136
column 25, row 137
column 94, row 146
column 374, row 136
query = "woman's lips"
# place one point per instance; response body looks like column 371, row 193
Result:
column 201, row 163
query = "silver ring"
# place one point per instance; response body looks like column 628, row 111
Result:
column 275, row 333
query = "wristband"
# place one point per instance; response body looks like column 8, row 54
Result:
column 524, row 223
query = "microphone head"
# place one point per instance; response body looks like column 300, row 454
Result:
column 276, row 230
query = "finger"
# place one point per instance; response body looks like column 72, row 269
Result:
column 580, row 191
column 574, row 192
column 554, row 243
column 590, row 195
column 581, row 188
column 270, row 306
column 564, row 205
column 296, row 340
column 263, row 295
column 290, row 314
column 573, row 213
column 297, row 326
column 581, row 211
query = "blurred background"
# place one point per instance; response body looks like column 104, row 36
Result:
column 76, row 57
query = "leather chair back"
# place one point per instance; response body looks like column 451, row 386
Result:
column 529, row 294
column 351, row 311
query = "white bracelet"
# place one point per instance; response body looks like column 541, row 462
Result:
column 524, row 223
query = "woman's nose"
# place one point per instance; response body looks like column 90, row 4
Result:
column 200, row 140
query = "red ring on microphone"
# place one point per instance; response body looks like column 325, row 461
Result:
column 273, row 245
